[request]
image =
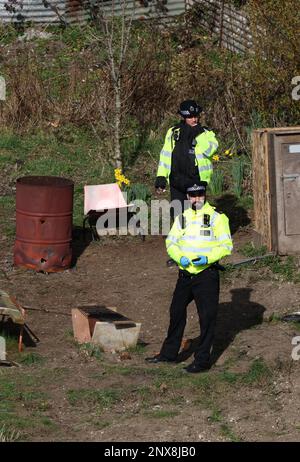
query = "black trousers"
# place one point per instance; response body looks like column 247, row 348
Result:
column 177, row 195
column 204, row 288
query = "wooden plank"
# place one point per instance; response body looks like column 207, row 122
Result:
column 261, row 186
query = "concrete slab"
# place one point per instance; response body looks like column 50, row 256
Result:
column 105, row 327
column 116, row 337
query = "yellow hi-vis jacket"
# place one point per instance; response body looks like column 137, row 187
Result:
column 206, row 146
column 191, row 237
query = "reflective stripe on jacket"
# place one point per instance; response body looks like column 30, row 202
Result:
column 206, row 146
column 191, row 238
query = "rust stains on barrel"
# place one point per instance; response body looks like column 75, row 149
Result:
column 44, row 211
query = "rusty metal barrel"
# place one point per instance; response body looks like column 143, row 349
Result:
column 44, row 212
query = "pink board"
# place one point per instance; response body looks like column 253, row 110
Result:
column 103, row 197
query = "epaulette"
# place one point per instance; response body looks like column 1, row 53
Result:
column 220, row 212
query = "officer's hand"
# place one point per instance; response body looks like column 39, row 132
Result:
column 160, row 184
column 184, row 261
column 200, row 260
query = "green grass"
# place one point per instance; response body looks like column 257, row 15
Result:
column 70, row 152
column 91, row 350
column 99, row 425
column 258, row 373
column 11, row 342
column 121, row 370
column 48, row 423
column 229, row 377
column 165, row 373
column 229, row 434
column 217, row 417
column 250, row 250
column 103, row 398
column 21, row 408
column 275, row 318
column 139, row 349
column 7, row 206
column 30, row 359
column 286, row 268
column 8, row 434
column 143, row 391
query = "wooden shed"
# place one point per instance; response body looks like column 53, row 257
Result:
column 276, row 188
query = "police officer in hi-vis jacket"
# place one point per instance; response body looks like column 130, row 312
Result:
column 186, row 155
column 198, row 239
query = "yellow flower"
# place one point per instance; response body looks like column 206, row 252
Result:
column 216, row 157
column 120, row 178
column 227, row 152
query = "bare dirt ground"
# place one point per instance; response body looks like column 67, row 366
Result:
column 64, row 392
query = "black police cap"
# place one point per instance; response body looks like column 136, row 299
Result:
column 189, row 108
column 197, row 189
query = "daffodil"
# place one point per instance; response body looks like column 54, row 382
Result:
column 216, row 157
column 227, row 152
column 120, row 178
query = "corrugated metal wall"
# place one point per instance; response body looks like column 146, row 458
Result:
column 219, row 17
column 44, row 12
column 228, row 23
column 78, row 11
column 145, row 9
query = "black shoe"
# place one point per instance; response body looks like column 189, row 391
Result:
column 159, row 359
column 196, row 368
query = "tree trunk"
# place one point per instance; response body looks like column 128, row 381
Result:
column 117, row 146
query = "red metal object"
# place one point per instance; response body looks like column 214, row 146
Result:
column 44, row 210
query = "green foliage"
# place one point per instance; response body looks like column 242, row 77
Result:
column 249, row 250
column 287, row 267
column 137, row 191
column 246, row 202
column 216, row 183
column 237, row 172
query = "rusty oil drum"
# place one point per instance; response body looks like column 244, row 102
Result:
column 44, row 211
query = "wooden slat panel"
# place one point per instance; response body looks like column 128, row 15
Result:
column 264, row 183
column 261, row 186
